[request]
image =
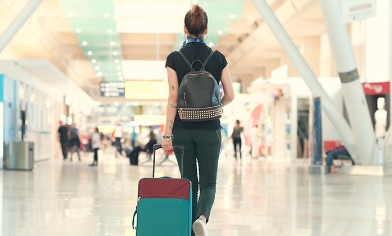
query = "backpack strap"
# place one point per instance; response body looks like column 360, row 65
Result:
column 203, row 64
column 208, row 58
column 185, row 59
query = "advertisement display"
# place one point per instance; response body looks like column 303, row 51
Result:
column 145, row 90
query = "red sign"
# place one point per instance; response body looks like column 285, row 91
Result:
column 376, row 88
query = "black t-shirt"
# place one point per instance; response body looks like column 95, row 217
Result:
column 196, row 51
column 63, row 131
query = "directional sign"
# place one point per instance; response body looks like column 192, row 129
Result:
column 355, row 10
column 112, row 89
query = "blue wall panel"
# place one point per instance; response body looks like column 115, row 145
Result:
column 1, row 87
column 10, row 109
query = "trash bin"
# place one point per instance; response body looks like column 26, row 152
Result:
column 18, row 155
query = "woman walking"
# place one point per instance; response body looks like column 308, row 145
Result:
column 236, row 136
column 202, row 139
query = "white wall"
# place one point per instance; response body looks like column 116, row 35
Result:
column 331, row 85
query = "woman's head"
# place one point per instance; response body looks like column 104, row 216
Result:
column 96, row 130
column 196, row 21
column 237, row 122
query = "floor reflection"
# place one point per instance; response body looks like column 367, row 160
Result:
column 254, row 197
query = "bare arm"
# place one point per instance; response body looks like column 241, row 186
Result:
column 171, row 107
column 227, row 87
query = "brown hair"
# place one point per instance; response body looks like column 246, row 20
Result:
column 196, row 21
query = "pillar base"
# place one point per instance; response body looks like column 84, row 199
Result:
column 318, row 170
column 366, row 170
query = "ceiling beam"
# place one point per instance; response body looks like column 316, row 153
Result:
column 285, row 12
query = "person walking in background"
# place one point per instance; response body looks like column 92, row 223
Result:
column 236, row 136
column 202, row 139
column 62, row 133
column 118, row 134
column 133, row 137
column 74, row 141
column 96, row 144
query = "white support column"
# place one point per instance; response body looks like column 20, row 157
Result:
column 353, row 93
column 18, row 22
column 309, row 77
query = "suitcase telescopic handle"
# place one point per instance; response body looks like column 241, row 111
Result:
column 158, row 146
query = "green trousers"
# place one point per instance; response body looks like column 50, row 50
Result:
column 202, row 149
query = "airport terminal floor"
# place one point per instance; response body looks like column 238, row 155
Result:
column 254, row 198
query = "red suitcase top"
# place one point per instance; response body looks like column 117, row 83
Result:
column 164, row 188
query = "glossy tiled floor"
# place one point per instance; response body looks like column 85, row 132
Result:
column 256, row 198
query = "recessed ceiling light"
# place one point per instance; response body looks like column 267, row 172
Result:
column 97, row 67
column 220, row 32
column 211, row 44
column 78, row 30
column 118, row 67
column 117, row 61
column 119, row 73
column 84, row 43
column 232, row 16
column 115, row 53
column 106, row 15
column 120, row 78
column 109, row 31
column 99, row 74
column 89, row 53
column 194, row 1
column 112, row 43
column 70, row 14
column 94, row 61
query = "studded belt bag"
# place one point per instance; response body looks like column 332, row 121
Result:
column 200, row 114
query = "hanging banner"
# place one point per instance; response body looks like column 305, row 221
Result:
column 317, row 142
column 355, row 10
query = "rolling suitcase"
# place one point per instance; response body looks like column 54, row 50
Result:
column 164, row 206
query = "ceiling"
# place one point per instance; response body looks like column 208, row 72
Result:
column 92, row 41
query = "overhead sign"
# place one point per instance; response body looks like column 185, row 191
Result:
column 377, row 88
column 112, row 89
column 355, row 10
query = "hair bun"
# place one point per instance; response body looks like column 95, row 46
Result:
column 197, row 10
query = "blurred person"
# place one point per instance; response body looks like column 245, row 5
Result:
column 95, row 144
column 255, row 139
column 202, row 140
column 236, row 136
column 335, row 153
column 118, row 134
column 63, row 139
column 148, row 148
column 74, row 140
column 133, row 138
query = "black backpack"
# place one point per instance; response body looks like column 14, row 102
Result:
column 199, row 97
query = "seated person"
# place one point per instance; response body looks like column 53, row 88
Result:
column 148, row 147
column 333, row 154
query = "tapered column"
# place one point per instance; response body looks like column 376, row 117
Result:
column 354, row 96
column 309, row 77
column 18, row 22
